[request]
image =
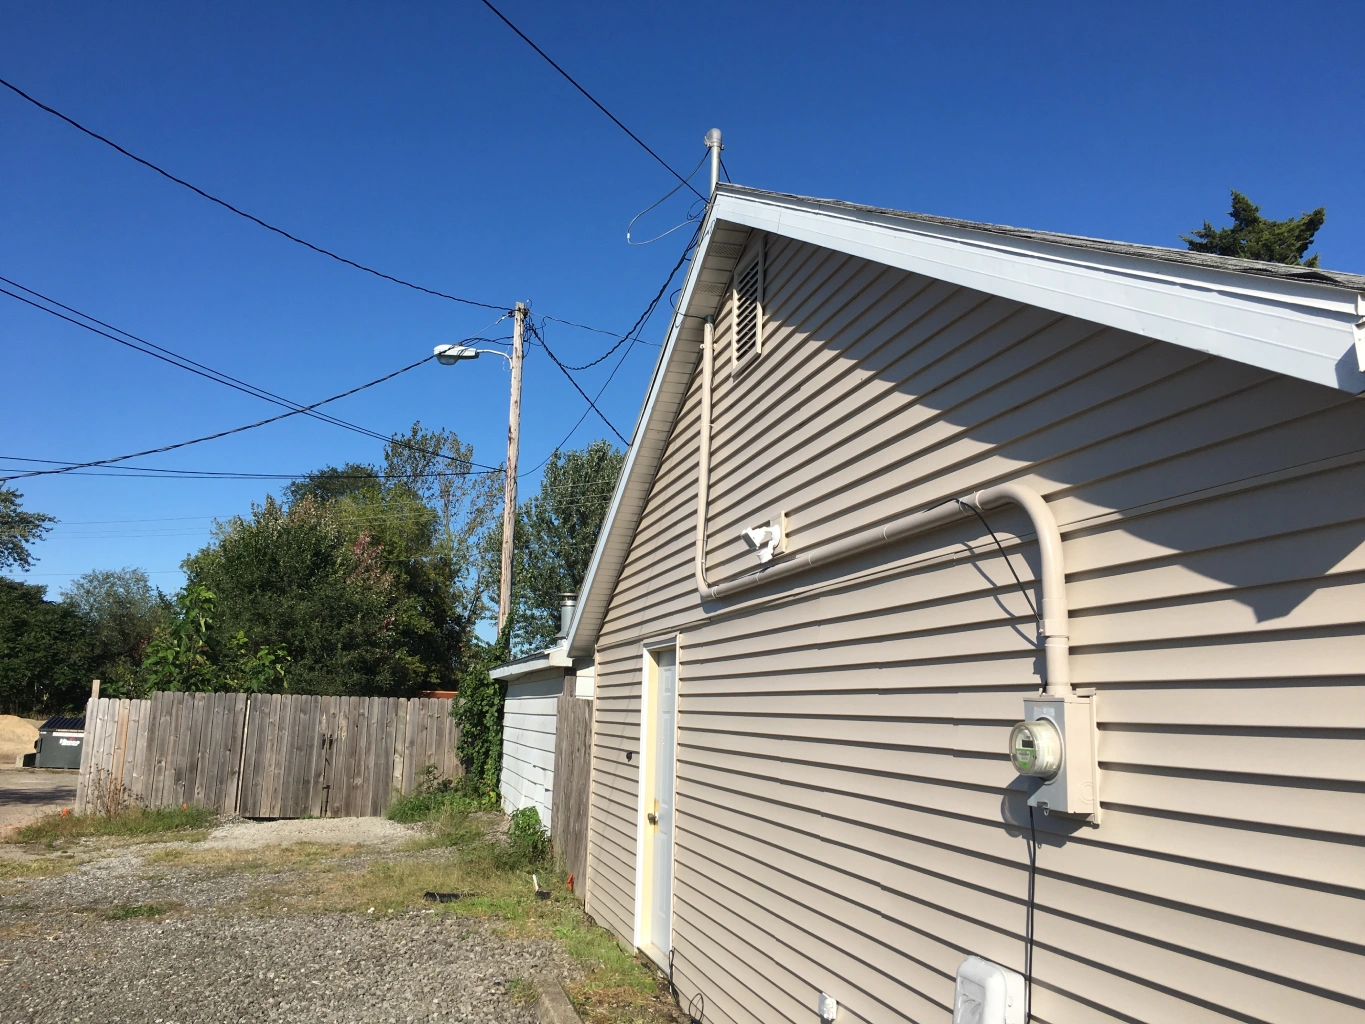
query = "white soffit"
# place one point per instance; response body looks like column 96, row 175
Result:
column 1298, row 328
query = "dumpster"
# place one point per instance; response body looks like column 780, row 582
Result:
column 59, row 742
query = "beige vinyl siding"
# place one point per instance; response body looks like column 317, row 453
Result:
column 845, row 816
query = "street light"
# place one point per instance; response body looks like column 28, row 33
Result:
column 449, row 355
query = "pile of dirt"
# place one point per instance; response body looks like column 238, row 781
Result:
column 18, row 737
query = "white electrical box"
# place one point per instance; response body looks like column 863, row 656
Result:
column 987, row 994
column 827, row 1007
column 1072, row 786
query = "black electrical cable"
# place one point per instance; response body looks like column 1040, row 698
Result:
column 639, row 325
column 1032, row 842
column 591, row 99
column 1028, row 918
column 671, row 192
column 644, row 317
column 221, row 433
column 241, row 213
column 208, row 372
column 591, row 404
column 1022, row 589
column 213, row 474
column 595, row 330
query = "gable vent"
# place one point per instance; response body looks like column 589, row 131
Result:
column 747, row 333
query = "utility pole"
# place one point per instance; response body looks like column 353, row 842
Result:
column 509, row 501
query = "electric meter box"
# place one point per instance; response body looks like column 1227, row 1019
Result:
column 1074, row 789
column 987, row 993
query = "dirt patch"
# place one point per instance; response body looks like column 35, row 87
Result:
column 247, row 835
column 26, row 794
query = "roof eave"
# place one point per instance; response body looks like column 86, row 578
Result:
column 1308, row 329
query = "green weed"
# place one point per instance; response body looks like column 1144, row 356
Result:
column 133, row 822
column 137, row 910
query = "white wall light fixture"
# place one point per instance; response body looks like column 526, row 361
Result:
column 987, row 993
column 766, row 541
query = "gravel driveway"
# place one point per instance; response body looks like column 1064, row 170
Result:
column 125, row 939
column 184, row 969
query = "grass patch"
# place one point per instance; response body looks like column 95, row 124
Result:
column 522, row 992
column 137, row 910
column 254, row 860
column 36, row 867
column 434, row 798
column 476, row 854
column 134, row 822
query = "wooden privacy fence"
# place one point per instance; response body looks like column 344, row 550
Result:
column 572, row 784
column 269, row 755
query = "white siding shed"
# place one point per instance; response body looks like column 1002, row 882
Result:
column 528, row 742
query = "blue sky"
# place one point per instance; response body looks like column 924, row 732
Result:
column 428, row 141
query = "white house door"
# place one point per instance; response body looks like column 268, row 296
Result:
column 660, row 832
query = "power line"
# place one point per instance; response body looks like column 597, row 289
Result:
column 277, row 230
column 221, row 433
column 639, row 325
column 591, row 99
column 209, row 373
column 591, row 404
column 241, row 213
column 596, row 330
column 644, row 317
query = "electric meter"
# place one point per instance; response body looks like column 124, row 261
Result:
column 1036, row 748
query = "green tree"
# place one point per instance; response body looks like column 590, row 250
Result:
column 122, row 611
column 424, row 512
column 1253, row 237
column 19, row 530
column 182, row 656
column 330, row 483
column 294, row 580
column 43, row 652
column 556, row 533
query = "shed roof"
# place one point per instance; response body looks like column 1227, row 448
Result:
column 1299, row 321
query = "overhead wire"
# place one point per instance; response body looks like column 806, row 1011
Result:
column 577, row 387
column 218, row 434
column 239, row 212
column 669, row 195
column 209, row 373
column 639, row 326
column 590, row 97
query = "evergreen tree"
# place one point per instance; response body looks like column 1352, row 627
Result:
column 1253, row 237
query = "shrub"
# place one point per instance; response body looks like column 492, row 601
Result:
column 434, row 798
column 528, row 843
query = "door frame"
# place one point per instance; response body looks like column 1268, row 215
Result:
column 643, row 861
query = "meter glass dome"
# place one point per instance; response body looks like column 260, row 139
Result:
column 1036, row 748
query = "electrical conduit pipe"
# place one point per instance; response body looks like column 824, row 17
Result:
column 1054, row 625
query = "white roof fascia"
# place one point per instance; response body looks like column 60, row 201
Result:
column 1300, row 329
column 555, row 657
column 1309, row 330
